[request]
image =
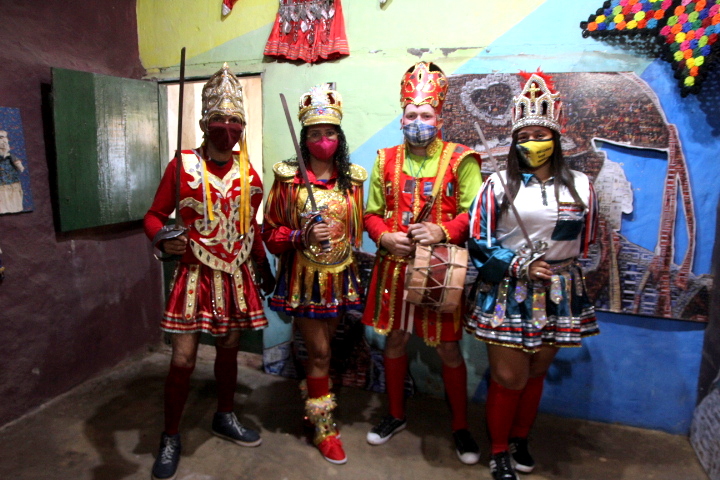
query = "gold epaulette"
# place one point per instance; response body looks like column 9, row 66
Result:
column 358, row 174
column 285, row 172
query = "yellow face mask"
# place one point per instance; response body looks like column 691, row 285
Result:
column 535, row 153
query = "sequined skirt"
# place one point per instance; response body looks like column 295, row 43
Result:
column 205, row 300
column 310, row 290
column 386, row 309
column 508, row 313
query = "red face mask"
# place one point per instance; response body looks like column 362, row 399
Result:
column 224, row 135
column 323, row 149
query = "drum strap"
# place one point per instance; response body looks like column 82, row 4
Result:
column 447, row 152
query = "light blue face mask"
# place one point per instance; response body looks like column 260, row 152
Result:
column 419, row 134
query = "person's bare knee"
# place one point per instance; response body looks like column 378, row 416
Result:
column 184, row 349
column 396, row 344
column 231, row 340
column 450, row 354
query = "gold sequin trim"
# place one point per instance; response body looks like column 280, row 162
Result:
column 191, row 288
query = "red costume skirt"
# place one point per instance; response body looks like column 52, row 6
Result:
column 206, row 300
column 386, row 310
column 310, row 41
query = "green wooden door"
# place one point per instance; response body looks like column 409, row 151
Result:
column 110, row 137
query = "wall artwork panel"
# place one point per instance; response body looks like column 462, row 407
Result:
column 618, row 134
column 15, row 194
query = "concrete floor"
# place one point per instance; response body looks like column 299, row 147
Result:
column 108, row 429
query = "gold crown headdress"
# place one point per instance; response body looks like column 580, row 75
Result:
column 423, row 83
column 222, row 94
column 537, row 104
column 321, row 104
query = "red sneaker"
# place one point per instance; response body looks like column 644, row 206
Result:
column 331, row 448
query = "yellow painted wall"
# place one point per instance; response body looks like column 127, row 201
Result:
column 165, row 26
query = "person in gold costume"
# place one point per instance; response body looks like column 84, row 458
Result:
column 317, row 279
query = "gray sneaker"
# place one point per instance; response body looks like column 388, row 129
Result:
column 226, row 425
column 166, row 463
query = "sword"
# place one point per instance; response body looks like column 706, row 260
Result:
column 314, row 214
column 169, row 232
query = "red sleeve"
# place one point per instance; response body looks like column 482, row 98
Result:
column 458, row 228
column 375, row 226
column 163, row 203
column 279, row 236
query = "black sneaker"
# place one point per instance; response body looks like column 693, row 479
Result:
column 227, row 426
column 467, row 450
column 168, row 457
column 387, row 427
column 522, row 459
column 501, row 467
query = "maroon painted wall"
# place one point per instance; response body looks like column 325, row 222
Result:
column 73, row 304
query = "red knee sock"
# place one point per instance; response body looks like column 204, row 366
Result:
column 455, row 380
column 317, row 386
column 501, row 406
column 395, row 372
column 177, row 387
column 226, row 377
column 527, row 407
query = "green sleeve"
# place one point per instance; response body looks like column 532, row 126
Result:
column 469, row 182
column 376, row 196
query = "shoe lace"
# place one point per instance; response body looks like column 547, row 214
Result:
column 237, row 425
column 387, row 425
column 168, row 451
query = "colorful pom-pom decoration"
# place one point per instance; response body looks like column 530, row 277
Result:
column 687, row 30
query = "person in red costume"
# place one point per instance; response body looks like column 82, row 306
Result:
column 316, row 284
column 401, row 178
column 213, row 289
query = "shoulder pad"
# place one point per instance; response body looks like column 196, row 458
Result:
column 357, row 173
column 284, row 171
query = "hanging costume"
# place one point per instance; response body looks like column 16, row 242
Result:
column 308, row 30
column 313, row 282
column 509, row 309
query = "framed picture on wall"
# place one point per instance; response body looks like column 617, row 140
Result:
column 15, row 194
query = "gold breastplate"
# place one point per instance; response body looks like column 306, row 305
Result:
column 333, row 207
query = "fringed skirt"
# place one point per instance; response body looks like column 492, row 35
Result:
column 311, row 290
column 503, row 313
column 387, row 310
column 206, row 300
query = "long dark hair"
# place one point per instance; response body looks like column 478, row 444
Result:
column 341, row 158
column 558, row 169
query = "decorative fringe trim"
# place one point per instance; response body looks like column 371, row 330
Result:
column 319, row 412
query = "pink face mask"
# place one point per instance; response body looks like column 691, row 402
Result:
column 224, row 135
column 323, row 149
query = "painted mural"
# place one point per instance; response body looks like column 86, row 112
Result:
column 618, row 109
column 15, row 194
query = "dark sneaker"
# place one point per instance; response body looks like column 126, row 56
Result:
column 501, row 467
column 227, row 426
column 168, row 457
column 387, row 427
column 522, row 459
column 467, row 450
